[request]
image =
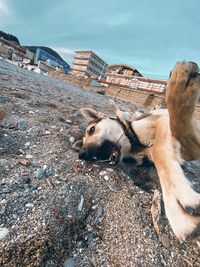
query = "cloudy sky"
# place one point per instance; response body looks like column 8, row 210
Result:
column 150, row 35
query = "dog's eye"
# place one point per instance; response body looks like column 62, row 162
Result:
column 91, row 130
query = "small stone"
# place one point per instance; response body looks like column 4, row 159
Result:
column 3, row 232
column 35, row 186
column 64, row 210
column 29, row 156
column 165, row 241
column 21, row 151
column 40, row 173
column 47, row 132
column 48, row 173
column 72, row 139
column 69, row 121
column 90, row 238
column 136, row 201
column 21, row 124
column 106, row 178
column 69, row 263
column 146, row 232
column 80, row 205
column 103, row 173
column 29, row 205
column 31, row 112
column 27, row 144
column 24, row 162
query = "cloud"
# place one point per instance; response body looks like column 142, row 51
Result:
column 6, row 14
column 3, row 8
column 66, row 53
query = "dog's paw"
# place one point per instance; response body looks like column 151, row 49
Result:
column 183, row 87
column 183, row 224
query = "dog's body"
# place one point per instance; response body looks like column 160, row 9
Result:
column 167, row 136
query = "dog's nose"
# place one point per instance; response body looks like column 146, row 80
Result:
column 82, row 154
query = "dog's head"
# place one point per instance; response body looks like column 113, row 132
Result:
column 101, row 139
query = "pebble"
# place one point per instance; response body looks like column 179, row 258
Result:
column 29, row 156
column 136, row 201
column 69, row 121
column 29, row 205
column 27, row 144
column 146, row 232
column 21, row 124
column 165, row 241
column 106, row 178
column 21, row 151
column 4, row 99
column 31, row 112
column 35, row 186
column 24, row 162
column 69, row 263
column 40, row 173
column 103, row 173
column 80, row 205
column 3, row 232
column 72, row 139
column 47, row 132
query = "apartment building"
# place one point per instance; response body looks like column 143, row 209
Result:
column 87, row 63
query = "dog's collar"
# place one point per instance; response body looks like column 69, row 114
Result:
column 136, row 144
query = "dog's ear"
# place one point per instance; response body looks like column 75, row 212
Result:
column 77, row 145
column 113, row 105
column 90, row 115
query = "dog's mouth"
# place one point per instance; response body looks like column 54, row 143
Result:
column 107, row 152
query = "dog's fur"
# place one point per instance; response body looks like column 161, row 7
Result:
column 167, row 136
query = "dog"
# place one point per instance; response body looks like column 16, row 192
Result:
column 168, row 137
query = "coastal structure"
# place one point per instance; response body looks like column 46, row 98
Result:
column 127, row 76
column 87, row 63
column 121, row 74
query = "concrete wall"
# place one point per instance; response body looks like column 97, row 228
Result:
column 137, row 97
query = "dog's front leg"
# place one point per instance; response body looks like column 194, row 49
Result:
column 183, row 91
column 180, row 200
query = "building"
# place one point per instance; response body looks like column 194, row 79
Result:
column 121, row 74
column 127, row 76
column 87, row 63
column 53, row 61
column 11, row 50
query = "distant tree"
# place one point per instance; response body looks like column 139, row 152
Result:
column 9, row 37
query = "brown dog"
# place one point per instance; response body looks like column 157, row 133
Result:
column 167, row 136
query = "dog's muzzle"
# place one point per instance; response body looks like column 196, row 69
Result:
column 107, row 151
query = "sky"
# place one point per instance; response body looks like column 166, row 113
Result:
column 150, row 35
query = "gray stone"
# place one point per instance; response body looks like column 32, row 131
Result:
column 21, row 124
column 29, row 205
column 3, row 232
column 136, row 201
column 27, row 144
column 69, row 263
column 80, row 205
column 72, row 139
column 4, row 99
column 40, row 173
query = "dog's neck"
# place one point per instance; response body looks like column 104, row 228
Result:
column 127, row 139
